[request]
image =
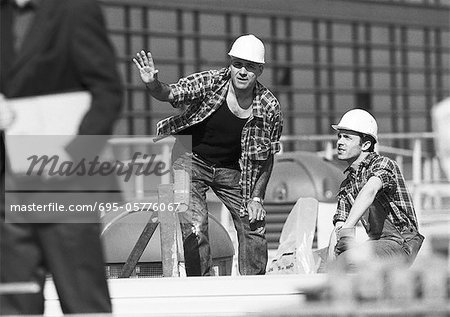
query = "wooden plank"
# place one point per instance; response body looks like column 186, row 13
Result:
column 274, row 295
column 181, row 189
column 139, row 247
column 168, row 230
column 19, row 288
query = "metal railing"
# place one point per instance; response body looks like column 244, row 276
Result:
column 419, row 165
column 428, row 185
column 424, row 163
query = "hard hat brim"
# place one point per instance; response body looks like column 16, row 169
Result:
column 262, row 62
column 338, row 127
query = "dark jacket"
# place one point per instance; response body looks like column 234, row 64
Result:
column 65, row 50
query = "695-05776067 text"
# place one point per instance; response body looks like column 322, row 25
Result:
column 102, row 207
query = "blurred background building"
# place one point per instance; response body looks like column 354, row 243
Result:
column 324, row 56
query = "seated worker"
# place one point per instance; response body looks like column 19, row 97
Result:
column 374, row 192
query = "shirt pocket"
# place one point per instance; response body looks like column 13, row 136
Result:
column 259, row 148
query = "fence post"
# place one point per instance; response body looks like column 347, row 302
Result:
column 417, row 175
column 399, row 160
column 417, row 162
column 165, row 179
column 168, row 229
column 329, row 150
column 138, row 186
column 181, row 189
column 437, row 178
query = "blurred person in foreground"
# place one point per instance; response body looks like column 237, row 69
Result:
column 374, row 192
column 51, row 47
column 235, row 123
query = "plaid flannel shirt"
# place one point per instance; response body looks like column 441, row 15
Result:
column 393, row 196
column 203, row 93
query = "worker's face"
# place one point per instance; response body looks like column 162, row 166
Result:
column 349, row 146
column 244, row 73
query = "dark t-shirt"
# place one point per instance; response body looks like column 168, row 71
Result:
column 217, row 139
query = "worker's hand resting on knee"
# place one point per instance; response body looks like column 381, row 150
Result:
column 345, row 239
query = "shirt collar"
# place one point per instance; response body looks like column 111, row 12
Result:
column 368, row 159
column 350, row 171
column 364, row 163
column 258, row 109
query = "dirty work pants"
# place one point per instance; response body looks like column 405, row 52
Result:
column 393, row 243
column 224, row 182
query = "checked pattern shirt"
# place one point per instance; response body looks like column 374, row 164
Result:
column 393, row 196
column 202, row 94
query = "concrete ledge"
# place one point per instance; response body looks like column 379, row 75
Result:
column 196, row 296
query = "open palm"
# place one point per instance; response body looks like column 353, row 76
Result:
column 144, row 63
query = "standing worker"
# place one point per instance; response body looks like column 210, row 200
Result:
column 235, row 123
column 374, row 192
column 53, row 47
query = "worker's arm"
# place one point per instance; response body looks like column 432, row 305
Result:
column 149, row 75
column 363, row 201
column 256, row 209
column 338, row 224
column 345, row 231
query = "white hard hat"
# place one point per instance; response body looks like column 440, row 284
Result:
column 358, row 120
column 248, row 47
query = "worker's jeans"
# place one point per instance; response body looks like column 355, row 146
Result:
column 393, row 243
column 194, row 222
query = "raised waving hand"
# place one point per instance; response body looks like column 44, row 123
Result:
column 144, row 62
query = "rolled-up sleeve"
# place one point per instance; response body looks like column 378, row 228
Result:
column 341, row 211
column 190, row 88
column 384, row 170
